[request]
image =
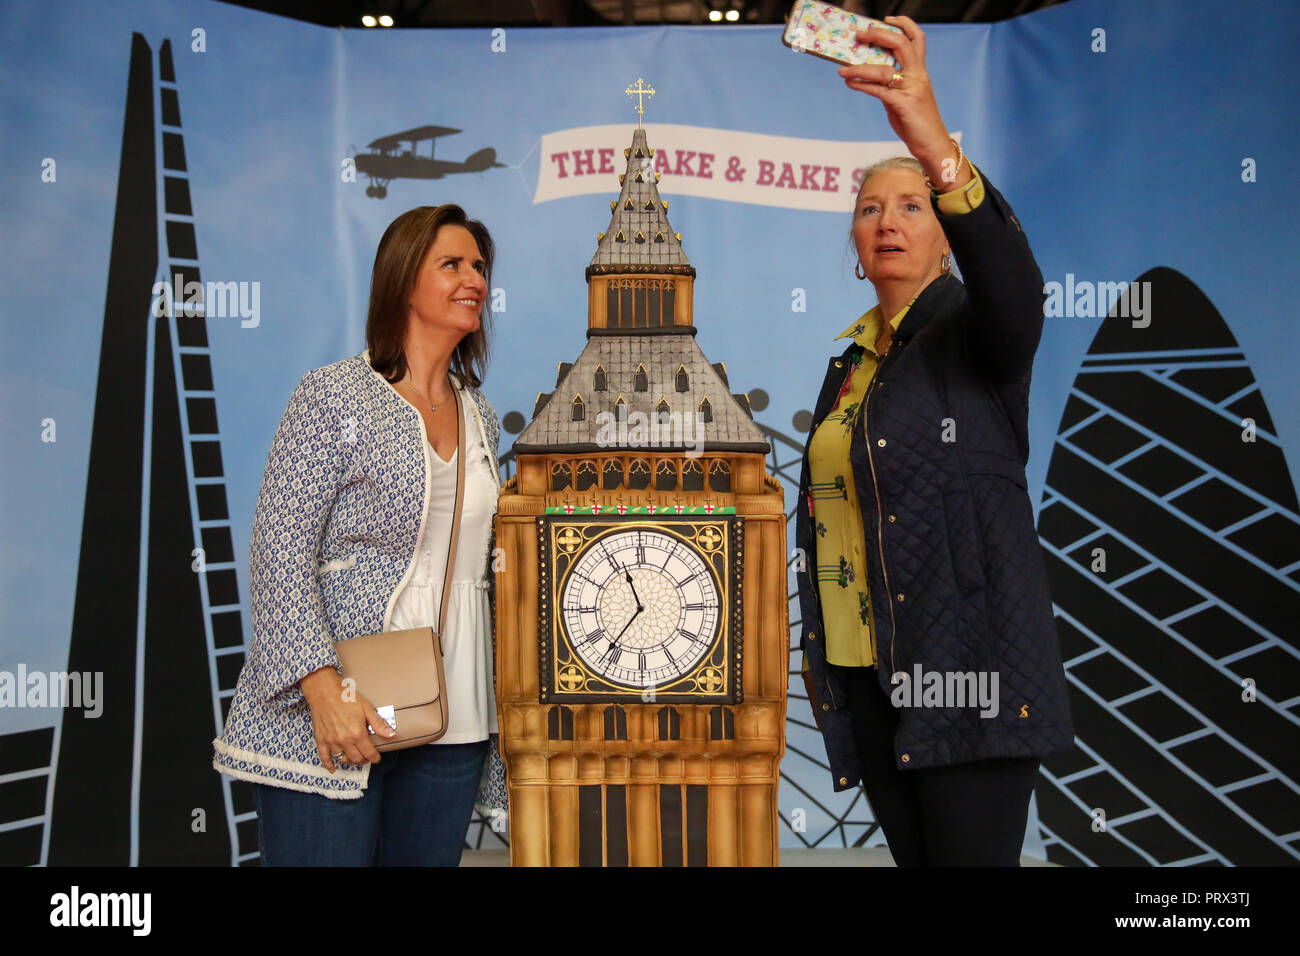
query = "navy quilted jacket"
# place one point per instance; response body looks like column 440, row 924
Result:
column 955, row 570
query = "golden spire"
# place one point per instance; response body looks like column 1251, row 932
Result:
column 639, row 91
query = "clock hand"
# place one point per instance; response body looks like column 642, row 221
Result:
column 628, row 575
column 638, row 610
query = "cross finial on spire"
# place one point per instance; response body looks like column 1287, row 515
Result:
column 639, row 91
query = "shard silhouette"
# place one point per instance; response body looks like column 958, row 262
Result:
column 159, row 617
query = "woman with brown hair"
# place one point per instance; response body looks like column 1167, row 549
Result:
column 351, row 537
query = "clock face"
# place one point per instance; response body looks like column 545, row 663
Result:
column 641, row 607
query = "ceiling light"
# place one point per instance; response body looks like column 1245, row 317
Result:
column 733, row 15
column 715, row 15
column 368, row 21
column 385, row 21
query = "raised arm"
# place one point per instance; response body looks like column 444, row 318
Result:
column 1003, row 281
column 1001, row 277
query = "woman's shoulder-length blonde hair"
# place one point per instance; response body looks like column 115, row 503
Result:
column 401, row 252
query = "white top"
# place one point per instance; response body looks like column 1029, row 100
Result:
column 467, row 638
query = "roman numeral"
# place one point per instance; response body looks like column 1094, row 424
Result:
column 610, row 556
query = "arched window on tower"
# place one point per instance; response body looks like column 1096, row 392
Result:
column 706, row 409
column 638, row 474
column 620, row 409
column 579, row 408
column 560, row 476
column 639, row 303
column 620, row 304
column 683, row 380
column 640, row 317
column 586, row 474
column 692, row 475
column 614, row 318
column 666, row 475
column 602, row 380
column 653, row 303
column 641, row 381
column 720, row 475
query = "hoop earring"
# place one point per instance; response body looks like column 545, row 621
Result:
column 945, row 264
column 859, row 271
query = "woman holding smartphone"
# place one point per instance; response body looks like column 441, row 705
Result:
column 350, row 537
column 930, row 651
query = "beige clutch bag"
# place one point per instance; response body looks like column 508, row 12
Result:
column 400, row 672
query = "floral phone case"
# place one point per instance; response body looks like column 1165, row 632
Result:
column 830, row 33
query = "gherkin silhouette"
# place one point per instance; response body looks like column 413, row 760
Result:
column 1172, row 539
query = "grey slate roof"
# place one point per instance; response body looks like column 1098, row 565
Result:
column 648, row 243
column 661, row 355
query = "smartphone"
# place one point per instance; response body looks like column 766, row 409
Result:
column 831, row 33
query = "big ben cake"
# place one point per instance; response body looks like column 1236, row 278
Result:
column 641, row 603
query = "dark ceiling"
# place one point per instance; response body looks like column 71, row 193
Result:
column 588, row 13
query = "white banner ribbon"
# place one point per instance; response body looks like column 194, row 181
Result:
column 794, row 173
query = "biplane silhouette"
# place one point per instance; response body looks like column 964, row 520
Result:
column 388, row 160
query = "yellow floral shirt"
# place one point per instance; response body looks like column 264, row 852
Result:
column 836, row 516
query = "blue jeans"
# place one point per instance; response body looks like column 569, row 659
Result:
column 415, row 811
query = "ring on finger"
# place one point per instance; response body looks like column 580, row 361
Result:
column 337, row 757
column 896, row 80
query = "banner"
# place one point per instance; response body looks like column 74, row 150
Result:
column 730, row 165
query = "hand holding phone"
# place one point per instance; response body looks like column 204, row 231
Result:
column 827, row 31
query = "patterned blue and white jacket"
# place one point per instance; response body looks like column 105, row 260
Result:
column 334, row 539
